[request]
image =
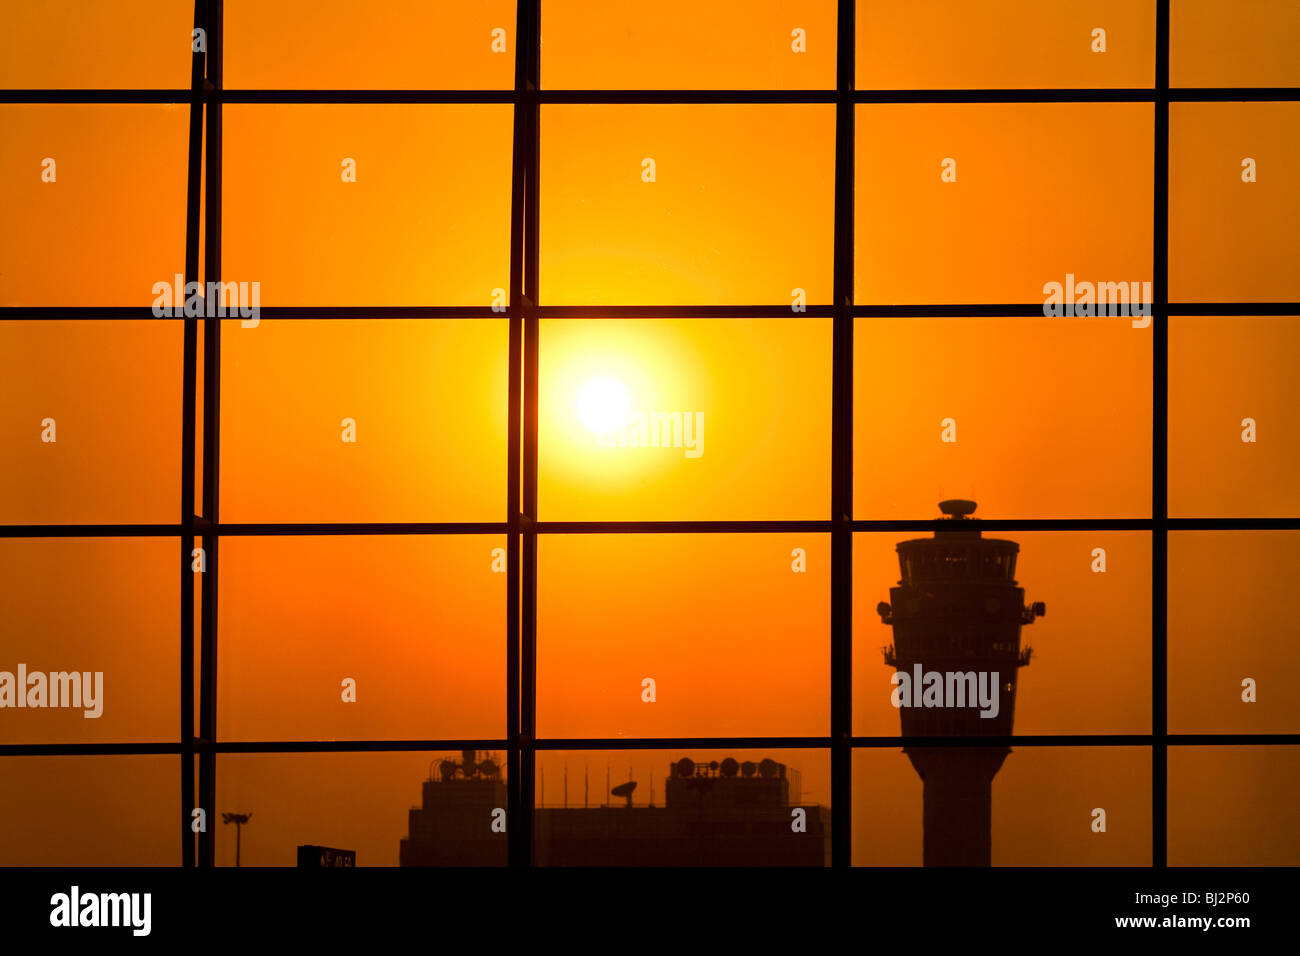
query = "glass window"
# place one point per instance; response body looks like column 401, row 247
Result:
column 1033, row 806
column 649, row 808
column 1030, row 417
column 368, row 204
column 1232, row 202
column 686, row 205
column 1234, row 44
column 1233, row 806
column 1232, row 659
column 88, row 44
column 1234, row 443
column 91, row 629
column 682, row 45
column 1084, row 667
column 88, row 191
column 69, row 806
column 964, row 203
column 364, row 420
column 674, row 635
column 90, row 422
column 397, row 45
column 363, row 638
column 1005, row 44
column 704, row 419
column 386, row 809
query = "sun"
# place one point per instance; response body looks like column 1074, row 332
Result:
column 603, row 404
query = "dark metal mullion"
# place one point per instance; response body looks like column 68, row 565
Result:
column 779, row 311
column 1160, row 451
column 399, row 745
column 757, row 526
column 530, row 45
column 990, row 95
column 841, row 596
column 189, row 388
column 519, row 756
column 211, row 441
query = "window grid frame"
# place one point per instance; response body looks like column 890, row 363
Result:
column 522, row 527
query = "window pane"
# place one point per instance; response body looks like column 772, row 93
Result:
column 93, row 625
column 426, row 220
column 90, row 423
column 89, row 44
column 1234, row 806
column 1232, row 632
column 416, row 625
column 1089, row 656
column 427, row 405
column 682, row 45
column 110, row 222
column 1005, row 44
column 683, row 808
column 341, row 45
column 740, row 209
column 983, row 237
column 1231, row 240
column 722, row 631
column 1038, row 810
column 367, row 803
column 1234, row 445
column 1031, row 417
column 706, row 419
column 1213, row 43
column 90, row 811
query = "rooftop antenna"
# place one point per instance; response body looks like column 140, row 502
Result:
column 606, row 782
column 566, row 784
column 541, row 801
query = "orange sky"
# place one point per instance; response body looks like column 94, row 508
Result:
column 1053, row 416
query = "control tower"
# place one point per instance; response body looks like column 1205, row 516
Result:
column 957, row 614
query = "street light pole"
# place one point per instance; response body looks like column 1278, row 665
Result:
column 238, row 819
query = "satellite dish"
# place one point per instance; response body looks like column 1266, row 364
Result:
column 768, row 767
column 729, row 767
column 747, row 768
column 713, row 765
column 685, row 767
column 624, row 790
column 447, row 769
column 488, row 768
column 957, row 507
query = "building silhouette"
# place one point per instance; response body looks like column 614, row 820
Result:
column 723, row 813
column 957, row 612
